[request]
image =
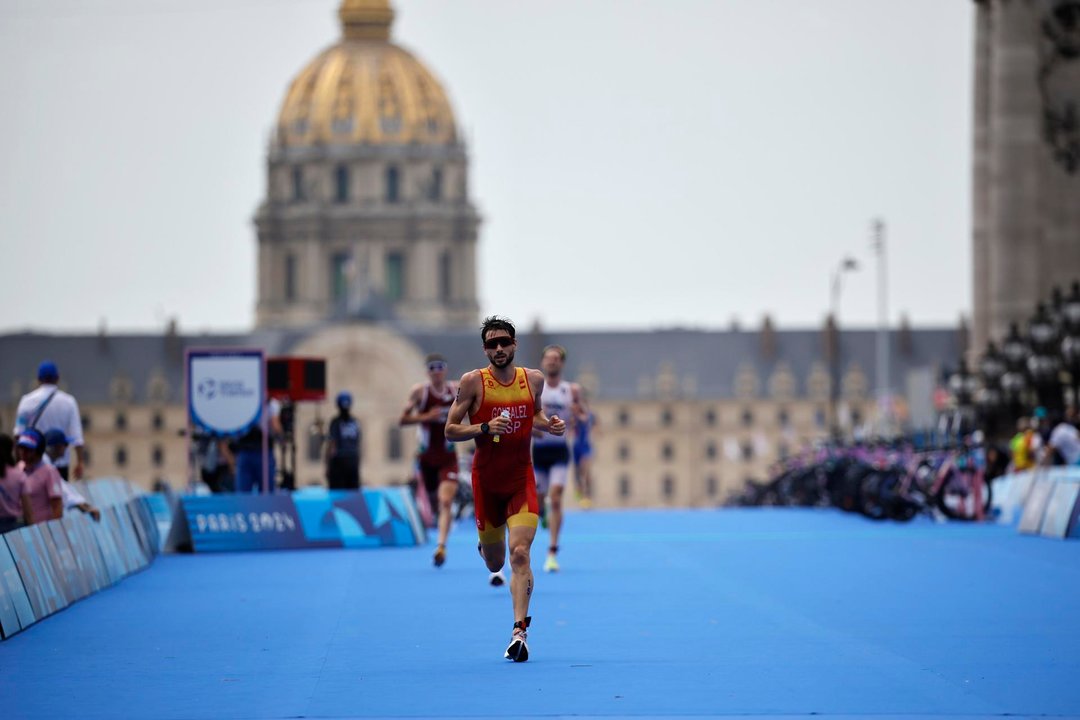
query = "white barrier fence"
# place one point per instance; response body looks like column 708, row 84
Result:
column 1040, row 502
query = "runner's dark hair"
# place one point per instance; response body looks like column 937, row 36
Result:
column 494, row 322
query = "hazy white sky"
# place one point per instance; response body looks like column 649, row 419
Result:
column 638, row 164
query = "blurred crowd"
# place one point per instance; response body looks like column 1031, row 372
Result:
column 43, row 453
column 1041, row 441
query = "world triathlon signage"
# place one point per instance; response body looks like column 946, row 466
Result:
column 225, row 390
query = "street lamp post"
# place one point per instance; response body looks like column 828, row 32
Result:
column 877, row 242
column 848, row 264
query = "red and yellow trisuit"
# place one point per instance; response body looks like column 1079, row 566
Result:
column 504, row 488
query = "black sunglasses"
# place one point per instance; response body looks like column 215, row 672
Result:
column 497, row 342
column 436, row 365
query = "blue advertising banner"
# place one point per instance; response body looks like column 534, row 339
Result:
column 1059, row 510
column 55, row 566
column 161, row 514
column 243, row 522
column 110, row 553
column 15, row 610
column 87, row 553
column 71, row 575
column 29, row 552
column 306, row 519
column 48, row 566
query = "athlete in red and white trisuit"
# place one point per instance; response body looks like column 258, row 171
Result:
column 428, row 406
column 503, row 406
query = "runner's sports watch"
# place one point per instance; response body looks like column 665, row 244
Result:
column 485, row 429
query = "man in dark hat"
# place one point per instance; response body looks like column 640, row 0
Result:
column 47, row 406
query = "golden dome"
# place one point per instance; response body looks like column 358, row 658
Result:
column 365, row 89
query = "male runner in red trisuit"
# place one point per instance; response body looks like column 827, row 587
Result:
column 503, row 406
column 428, row 406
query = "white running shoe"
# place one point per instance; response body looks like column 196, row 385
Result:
column 497, row 579
column 551, row 564
column 518, row 650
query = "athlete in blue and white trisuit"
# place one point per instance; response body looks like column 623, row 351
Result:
column 551, row 454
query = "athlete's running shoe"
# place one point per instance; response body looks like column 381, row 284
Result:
column 551, row 564
column 497, row 579
column 518, row 650
column 440, row 556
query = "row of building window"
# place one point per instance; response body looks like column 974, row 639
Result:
column 710, row 417
column 712, row 452
column 395, row 274
column 667, row 487
column 432, row 190
column 342, row 277
column 120, row 422
column 120, row 456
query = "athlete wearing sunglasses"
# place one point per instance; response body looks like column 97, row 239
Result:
column 503, row 401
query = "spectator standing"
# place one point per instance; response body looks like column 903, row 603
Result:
column 213, row 468
column 343, row 447
column 48, row 406
column 1024, row 445
column 43, row 494
column 12, row 486
column 246, row 463
column 56, row 445
column 1064, row 440
column 1042, row 425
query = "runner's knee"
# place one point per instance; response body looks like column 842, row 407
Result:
column 494, row 558
column 519, row 556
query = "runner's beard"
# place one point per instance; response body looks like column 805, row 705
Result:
column 505, row 362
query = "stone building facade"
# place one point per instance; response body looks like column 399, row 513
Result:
column 685, row 417
column 1026, row 174
column 367, row 210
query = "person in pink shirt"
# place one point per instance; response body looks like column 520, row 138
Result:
column 12, row 486
column 43, row 496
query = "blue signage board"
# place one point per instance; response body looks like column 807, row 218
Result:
column 306, row 519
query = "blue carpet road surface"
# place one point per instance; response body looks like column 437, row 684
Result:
column 765, row 613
